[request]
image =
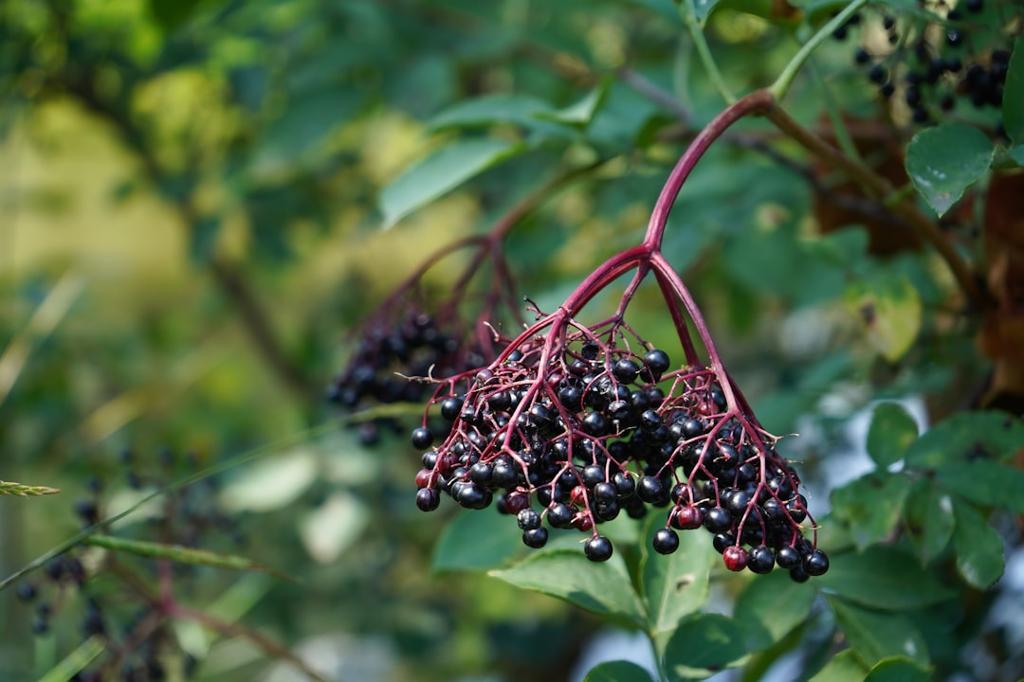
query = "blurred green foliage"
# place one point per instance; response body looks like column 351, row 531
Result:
column 201, row 200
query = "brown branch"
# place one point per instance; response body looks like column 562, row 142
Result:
column 925, row 228
column 269, row 646
column 229, row 279
column 908, row 213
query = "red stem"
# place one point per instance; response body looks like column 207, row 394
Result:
column 755, row 102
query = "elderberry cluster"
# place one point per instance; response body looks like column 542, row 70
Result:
column 944, row 54
column 578, row 434
column 414, row 345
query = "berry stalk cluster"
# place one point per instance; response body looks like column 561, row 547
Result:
column 574, row 423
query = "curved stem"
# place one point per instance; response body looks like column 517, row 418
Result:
column 755, row 102
column 675, row 284
column 682, row 329
column 781, row 85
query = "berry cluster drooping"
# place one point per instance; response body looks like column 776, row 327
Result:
column 944, row 53
column 403, row 338
column 411, row 346
column 575, row 423
column 611, row 430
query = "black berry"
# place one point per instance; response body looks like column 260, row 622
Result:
column 665, row 541
column 598, row 548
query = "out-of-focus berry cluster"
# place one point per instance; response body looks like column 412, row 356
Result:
column 105, row 593
column 944, row 53
column 412, row 334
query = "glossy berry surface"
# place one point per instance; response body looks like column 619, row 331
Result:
column 665, row 541
column 816, row 563
column 598, row 548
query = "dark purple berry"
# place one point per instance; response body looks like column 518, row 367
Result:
column 816, row 563
column 738, row 501
column 598, row 548
column 650, row 489
column 421, row 438
column 657, row 361
column 788, row 557
column 535, row 537
column 665, row 541
column 595, row 424
column 606, row 493
column 451, row 407
column 592, row 475
column 762, row 560
column 559, row 515
column 717, row 520
column 26, row 592
column 650, row 420
column 624, row 484
column 723, row 541
column 427, row 499
column 625, row 370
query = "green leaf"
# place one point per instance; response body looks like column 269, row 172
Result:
column 770, row 607
column 884, row 578
column 489, row 110
column 581, row 113
column 968, row 435
column 677, row 584
column 704, row 641
column 271, row 484
column 76, row 661
column 898, row 669
column 441, row 172
column 987, row 483
column 929, row 519
column 979, row 548
column 333, row 526
column 1017, row 153
column 603, row 588
column 477, row 541
column 176, row 553
column 944, row 161
column 302, row 128
column 617, row 671
column 891, row 311
column 172, row 13
column 844, row 667
column 891, row 433
column 702, row 9
column 1013, row 98
column 871, row 505
column 875, row 636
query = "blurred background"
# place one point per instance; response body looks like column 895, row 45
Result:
column 192, row 227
